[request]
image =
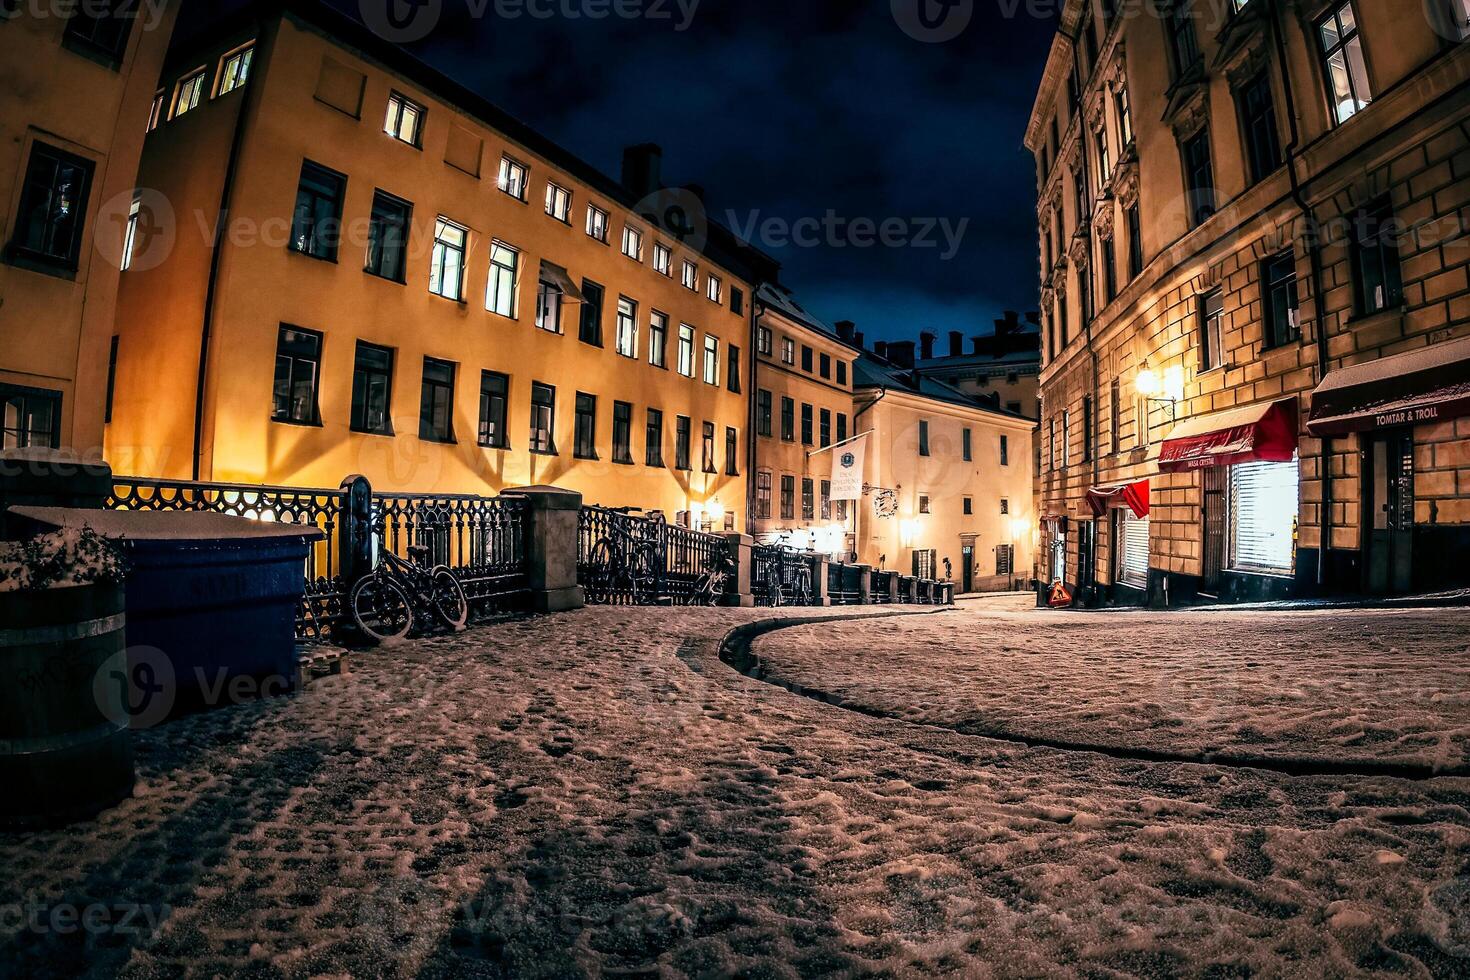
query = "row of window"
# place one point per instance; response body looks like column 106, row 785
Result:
column 816, row 427
column 816, row 499
column 821, row 365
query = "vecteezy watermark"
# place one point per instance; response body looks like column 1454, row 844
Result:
column 96, row 919
column 147, row 14
column 933, row 21
column 679, row 212
column 832, row 230
column 408, row 21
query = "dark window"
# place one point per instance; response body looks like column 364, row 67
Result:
column 658, row 339
column 494, row 404
column 298, row 369
column 1135, row 244
column 707, row 449
column 622, row 433
column 653, row 439
column 436, row 404
column 53, row 208
column 732, row 452
column 732, row 370
column 969, row 506
column 1179, row 22
column 1278, row 289
column 111, row 377
column 737, row 300
column 100, row 29
column 788, row 497
column 1110, row 269
column 681, row 444
column 808, row 499
column 923, row 438
column 1258, row 117
column 372, row 390
column 788, row 420
column 1211, row 330
column 841, row 426
column 590, row 331
column 824, row 498
column 1199, row 177
column 806, row 425
column 543, row 418
column 967, row 445
column 584, row 445
column 842, row 372
column 1115, row 416
column 806, row 358
column 1062, row 321
column 825, row 366
column 388, row 237
column 1079, row 195
column 763, row 412
column 1087, row 424
column 1377, row 280
column 825, row 427
column 32, row 418
column 763, row 495
column 1005, row 450
column 316, row 226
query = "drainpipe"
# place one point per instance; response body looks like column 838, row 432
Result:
column 216, row 251
column 1314, row 256
column 752, row 459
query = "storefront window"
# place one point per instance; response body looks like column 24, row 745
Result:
column 1263, row 517
column 1132, row 549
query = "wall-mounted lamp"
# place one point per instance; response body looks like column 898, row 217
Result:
column 1168, row 387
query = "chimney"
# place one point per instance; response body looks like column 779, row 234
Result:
column 643, row 168
column 956, row 344
column 1011, row 324
column 977, row 343
column 901, row 353
column 881, row 349
column 858, row 339
column 845, row 330
column 926, row 342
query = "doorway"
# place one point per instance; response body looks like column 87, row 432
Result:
column 1213, row 511
column 1086, row 555
column 1059, row 550
column 967, row 568
column 1390, row 512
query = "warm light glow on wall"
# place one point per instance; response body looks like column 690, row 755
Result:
column 908, row 531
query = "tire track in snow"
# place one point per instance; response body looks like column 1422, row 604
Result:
column 735, row 650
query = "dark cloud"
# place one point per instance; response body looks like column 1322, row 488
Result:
column 791, row 110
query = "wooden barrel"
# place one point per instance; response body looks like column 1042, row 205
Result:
column 64, row 749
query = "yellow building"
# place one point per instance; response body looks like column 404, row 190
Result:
column 803, row 405
column 75, row 92
column 1255, row 296
column 948, row 479
column 411, row 285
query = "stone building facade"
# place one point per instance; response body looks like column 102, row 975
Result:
column 1253, row 219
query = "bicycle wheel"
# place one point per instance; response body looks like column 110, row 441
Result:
column 600, row 568
column 645, row 576
column 773, row 587
column 449, row 601
column 381, row 609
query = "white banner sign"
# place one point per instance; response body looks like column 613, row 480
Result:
column 847, row 469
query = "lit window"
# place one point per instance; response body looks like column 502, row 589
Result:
column 788, row 351
column 596, row 223
column 235, row 70
column 155, row 114
column 29, row 417
column 1347, row 74
column 714, row 289
column 633, row 243
column 686, row 350
column 500, row 295
column 627, row 339
column 130, row 233
column 548, row 307
column 188, row 94
column 711, row 360
column 512, row 178
column 405, row 119
column 691, row 275
column 446, row 266
column 558, row 201
column 763, row 340
column 658, row 339
column 663, row 260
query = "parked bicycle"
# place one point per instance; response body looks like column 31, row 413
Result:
column 788, row 578
column 625, row 562
column 397, row 594
column 714, row 581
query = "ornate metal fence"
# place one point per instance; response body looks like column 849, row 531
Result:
column 323, row 607
column 626, row 559
column 481, row 539
column 782, row 576
column 845, row 584
column 878, row 589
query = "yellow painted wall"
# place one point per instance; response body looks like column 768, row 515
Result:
column 55, row 331
column 262, row 285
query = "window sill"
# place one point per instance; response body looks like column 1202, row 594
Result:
column 589, row 459
column 451, row 441
column 460, row 302
column 31, row 262
column 624, row 462
column 495, row 448
column 110, row 60
column 1284, row 345
column 513, row 197
column 378, row 275
column 1217, row 369
column 655, row 465
column 591, row 343
column 560, row 221
column 544, row 452
column 1362, row 321
column 388, row 433
column 600, row 241
column 296, row 422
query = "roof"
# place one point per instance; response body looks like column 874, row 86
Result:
column 780, row 299
column 980, row 360
column 724, row 246
column 871, row 371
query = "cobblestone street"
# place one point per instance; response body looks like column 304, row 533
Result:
column 598, row 793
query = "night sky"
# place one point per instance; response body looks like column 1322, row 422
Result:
column 788, row 111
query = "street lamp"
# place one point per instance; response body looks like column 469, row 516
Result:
column 1168, row 387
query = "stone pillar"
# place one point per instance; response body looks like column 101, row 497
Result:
column 355, row 531
column 551, row 547
column 865, row 585
column 820, row 564
column 50, row 478
column 738, row 591
column 893, row 581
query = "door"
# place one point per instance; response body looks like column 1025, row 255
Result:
column 1086, row 555
column 1390, row 512
column 967, row 569
column 1059, row 551
column 1213, row 510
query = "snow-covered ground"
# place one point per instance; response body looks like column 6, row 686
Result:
column 597, row 794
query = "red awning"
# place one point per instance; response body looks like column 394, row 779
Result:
column 1416, row 388
column 1241, row 435
column 1135, row 495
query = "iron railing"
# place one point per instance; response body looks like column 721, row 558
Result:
column 782, row 576
column 878, row 589
column 481, row 539
column 631, row 560
column 845, row 584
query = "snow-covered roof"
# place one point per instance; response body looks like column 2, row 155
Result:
column 870, row 371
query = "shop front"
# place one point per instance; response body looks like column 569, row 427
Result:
column 1125, row 507
column 1401, row 411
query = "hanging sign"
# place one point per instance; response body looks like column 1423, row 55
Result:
column 847, row 469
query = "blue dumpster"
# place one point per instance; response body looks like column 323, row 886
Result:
column 211, row 603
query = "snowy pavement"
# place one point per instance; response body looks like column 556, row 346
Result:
column 598, row 794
